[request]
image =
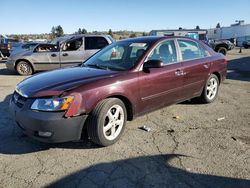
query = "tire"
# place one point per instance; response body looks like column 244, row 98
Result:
column 24, row 68
column 211, row 89
column 222, row 50
column 104, row 126
column 246, row 47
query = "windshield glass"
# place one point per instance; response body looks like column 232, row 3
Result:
column 119, row 56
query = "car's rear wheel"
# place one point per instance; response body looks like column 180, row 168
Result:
column 107, row 121
column 24, row 68
column 210, row 90
column 222, row 50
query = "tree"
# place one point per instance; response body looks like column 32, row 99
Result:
column 110, row 33
column 57, row 31
column 218, row 25
column 197, row 27
column 180, row 28
column 79, row 31
column 132, row 35
column 144, row 34
column 25, row 38
column 82, row 31
column 53, row 32
column 16, row 37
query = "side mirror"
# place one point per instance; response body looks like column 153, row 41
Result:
column 153, row 64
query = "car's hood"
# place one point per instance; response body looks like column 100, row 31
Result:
column 61, row 80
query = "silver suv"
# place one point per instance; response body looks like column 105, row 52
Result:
column 70, row 52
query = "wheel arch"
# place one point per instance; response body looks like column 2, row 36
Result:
column 221, row 45
column 127, row 103
column 19, row 60
column 218, row 76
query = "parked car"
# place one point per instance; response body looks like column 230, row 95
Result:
column 24, row 47
column 122, row 81
column 7, row 48
column 71, row 52
column 4, row 50
column 221, row 46
column 246, row 44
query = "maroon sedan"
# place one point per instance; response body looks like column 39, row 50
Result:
column 124, row 80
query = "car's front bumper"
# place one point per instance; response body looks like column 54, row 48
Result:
column 34, row 122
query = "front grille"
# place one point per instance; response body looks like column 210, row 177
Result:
column 18, row 99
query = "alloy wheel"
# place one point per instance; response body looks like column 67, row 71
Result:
column 24, row 68
column 212, row 88
column 114, row 121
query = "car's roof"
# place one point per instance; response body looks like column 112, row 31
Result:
column 75, row 36
column 87, row 35
column 153, row 38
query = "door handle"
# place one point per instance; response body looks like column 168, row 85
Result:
column 53, row 55
column 65, row 54
column 178, row 72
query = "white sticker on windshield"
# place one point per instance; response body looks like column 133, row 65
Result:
column 137, row 44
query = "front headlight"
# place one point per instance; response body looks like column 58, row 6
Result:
column 52, row 104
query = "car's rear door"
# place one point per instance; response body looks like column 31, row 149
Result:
column 72, row 52
column 161, row 86
column 196, row 65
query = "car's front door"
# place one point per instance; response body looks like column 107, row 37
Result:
column 45, row 57
column 196, row 66
column 161, row 86
column 72, row 52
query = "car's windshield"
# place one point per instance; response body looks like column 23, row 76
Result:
column 119, row 56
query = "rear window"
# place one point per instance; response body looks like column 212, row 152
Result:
column 191, row 50
column 92, row 43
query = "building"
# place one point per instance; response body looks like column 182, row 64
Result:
column 199, row 34
column 239, row 31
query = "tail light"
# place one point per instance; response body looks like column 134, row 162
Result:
column 225, row 62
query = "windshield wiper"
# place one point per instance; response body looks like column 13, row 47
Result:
column 98, row 66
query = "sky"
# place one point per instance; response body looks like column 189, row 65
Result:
column 35, row 17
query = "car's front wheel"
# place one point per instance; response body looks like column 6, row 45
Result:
column 24, row 68
column 210, row 90
column 107, row 121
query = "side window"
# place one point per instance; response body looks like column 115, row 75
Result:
column 204, row 52
column 95, row 43
column 189, row 49
column 46, row 48
column 165, row 52
column 72, row 45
